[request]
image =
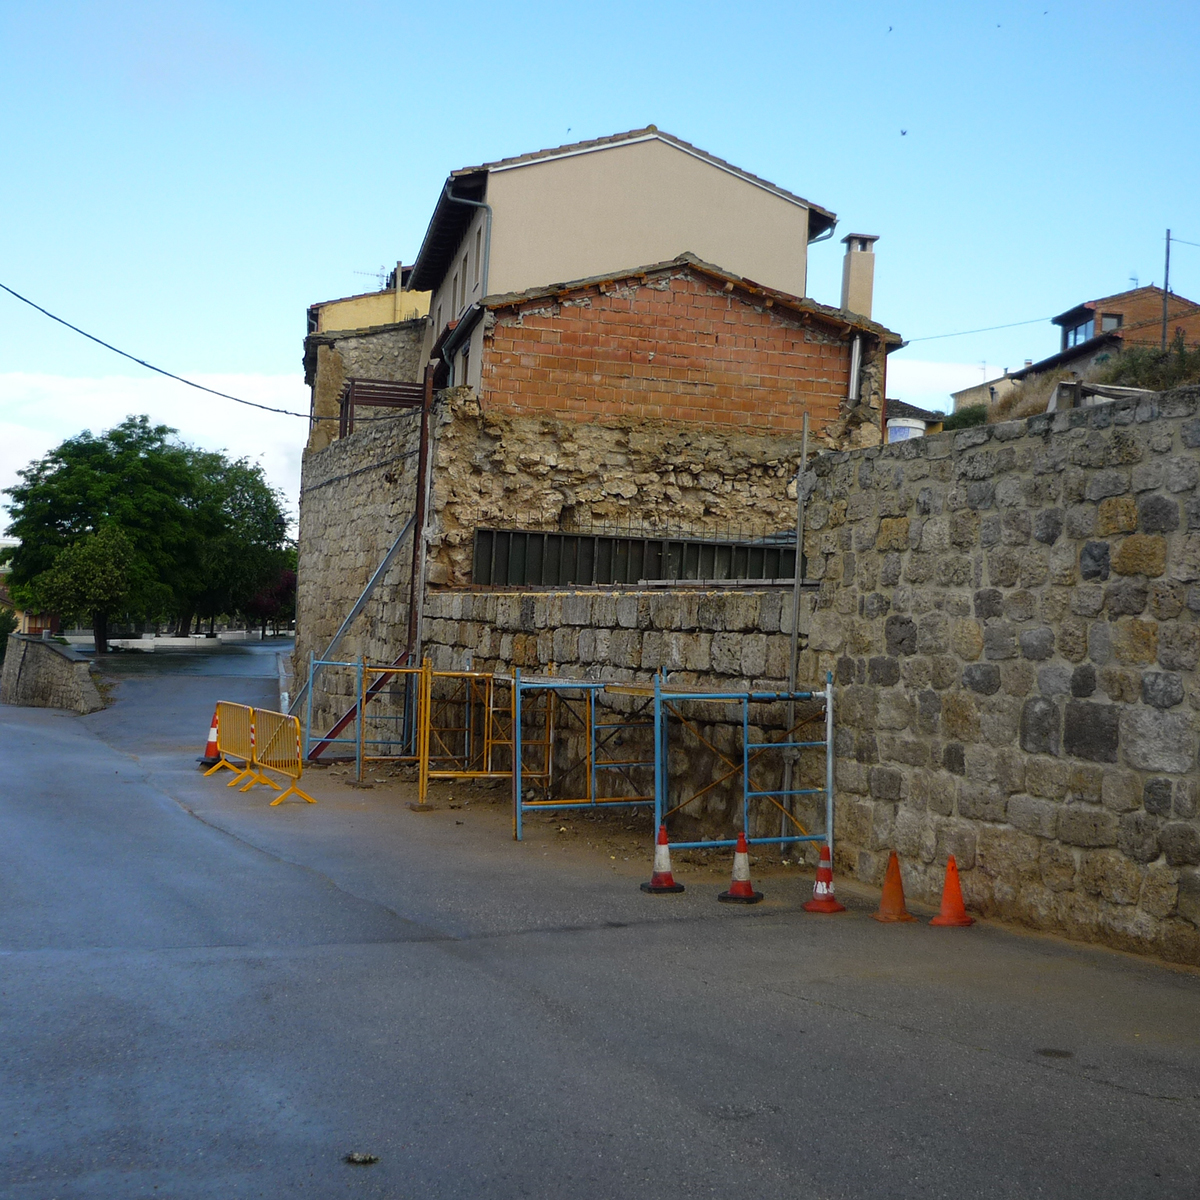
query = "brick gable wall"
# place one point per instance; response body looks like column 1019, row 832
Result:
column 675, row 347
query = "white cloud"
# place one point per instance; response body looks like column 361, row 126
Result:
column 38, row 411
column 929, row 384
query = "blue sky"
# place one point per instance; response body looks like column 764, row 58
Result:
column 183, row 179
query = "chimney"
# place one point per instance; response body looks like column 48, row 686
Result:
column 858, row 272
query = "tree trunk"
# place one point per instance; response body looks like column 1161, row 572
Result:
column 185, row 623
column 212, row 625
column 100, row 631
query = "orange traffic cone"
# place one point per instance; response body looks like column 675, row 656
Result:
column 661, row 880
column 741, row 890
column 824, row 901
column 211, row 754
column 891, row 903
column 953, row 912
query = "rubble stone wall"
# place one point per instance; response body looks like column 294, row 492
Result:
column 1012, row 615
column 498, row 469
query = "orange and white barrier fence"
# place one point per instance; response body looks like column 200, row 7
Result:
column 251, row 741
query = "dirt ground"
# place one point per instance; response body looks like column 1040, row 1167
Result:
column 623, row 835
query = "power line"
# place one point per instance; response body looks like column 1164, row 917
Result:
column 150, row 366
column 989, row 329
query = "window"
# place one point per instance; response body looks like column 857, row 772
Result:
column 463, row 304
column 478, row 252
column 1080, row 333
column 454, row 297
column 1111, row 321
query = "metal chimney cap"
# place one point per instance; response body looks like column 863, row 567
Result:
column 861, row 237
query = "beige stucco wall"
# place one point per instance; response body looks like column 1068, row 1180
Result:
column 375, row 308
column 636, row 204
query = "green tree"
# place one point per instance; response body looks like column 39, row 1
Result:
column 8, row 624
column 89, row 578
column 204, row 533
column 133, row 478
column 244, row 535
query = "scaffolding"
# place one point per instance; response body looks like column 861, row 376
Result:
column 762, row 753
column 557, row 709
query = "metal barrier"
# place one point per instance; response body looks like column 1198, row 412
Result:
column 669, row 703
column 253, row 740
column 235, row 740
column 315, row 666
column 277, row 748
column 560, row 701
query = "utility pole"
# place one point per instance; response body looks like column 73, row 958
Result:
column 1166, row 290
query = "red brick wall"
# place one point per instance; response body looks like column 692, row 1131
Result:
column 1142, row 312
column 676, row 347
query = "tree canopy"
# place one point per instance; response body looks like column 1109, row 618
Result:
column 188, row 531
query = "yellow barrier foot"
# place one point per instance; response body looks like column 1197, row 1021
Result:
column 292, row 791
column 218, row 765
column 259, row 779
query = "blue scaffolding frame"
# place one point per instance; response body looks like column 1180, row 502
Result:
column 598, row 735
column 666, row 698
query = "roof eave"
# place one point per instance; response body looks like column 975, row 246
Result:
column 800, row 304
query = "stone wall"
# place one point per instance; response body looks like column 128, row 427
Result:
column 43, row 674
column 735, row 639
column 493, row 469
column 355, row 497
column 390, row 352
column 1011, row 612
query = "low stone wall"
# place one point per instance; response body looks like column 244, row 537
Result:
column 1011, row 612
column 43, row 674
column 735, row 640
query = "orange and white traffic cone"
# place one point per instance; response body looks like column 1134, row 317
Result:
column 891, row 903
column 953, row 910
column 741, row 890
column 211, row 754
column 824, row 901
column 661, row 879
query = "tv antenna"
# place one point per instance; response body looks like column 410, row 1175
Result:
column 380, row 276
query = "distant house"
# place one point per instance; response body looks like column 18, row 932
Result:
column 1092, row 332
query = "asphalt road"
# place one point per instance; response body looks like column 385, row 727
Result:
column 202, row 996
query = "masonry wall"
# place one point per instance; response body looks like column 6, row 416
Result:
column 674, row 346
column 390, row 352
column 355, row 497
column 41, row 674
column 502, row 469
column 1011, row 612
column 736, row 639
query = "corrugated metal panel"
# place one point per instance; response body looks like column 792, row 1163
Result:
column 536, row 558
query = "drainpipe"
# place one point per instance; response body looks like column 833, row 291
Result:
column 855, row 365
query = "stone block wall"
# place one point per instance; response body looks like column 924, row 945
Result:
column 1012, row 615
column 43, row 674
column 708, row 639
column 355, row 497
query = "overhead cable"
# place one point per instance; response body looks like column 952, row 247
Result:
column 150, row 366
